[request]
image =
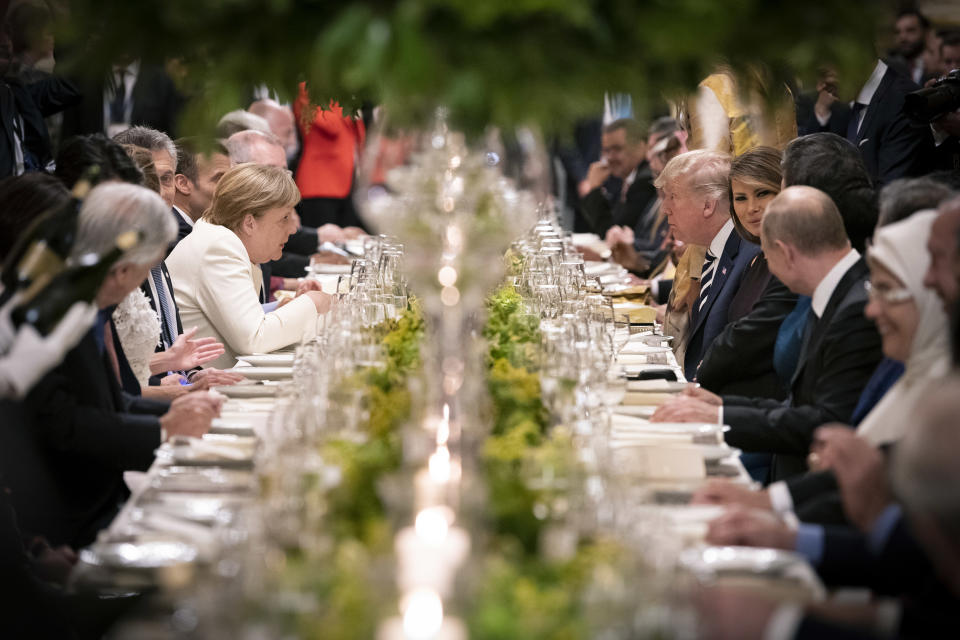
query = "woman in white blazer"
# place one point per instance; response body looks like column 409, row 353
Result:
column 215, row 269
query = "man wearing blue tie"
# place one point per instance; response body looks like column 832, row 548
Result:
column 697, row 204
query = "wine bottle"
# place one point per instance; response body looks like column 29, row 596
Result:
column 49, row 298
column 44, row 246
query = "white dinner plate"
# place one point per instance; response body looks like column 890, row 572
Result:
column 339, row 269
column 267, row 360
column 249, row 390
column 266, row 373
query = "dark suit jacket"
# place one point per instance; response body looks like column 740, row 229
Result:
column 807, row 121
column 183, row 228
column 707, row 323
column 84, row 436
column 145, row 287
column 835, row 364
column 156, row 104
column 892, row 145
column 31, row 102
column 740, row 360
column 603, row 212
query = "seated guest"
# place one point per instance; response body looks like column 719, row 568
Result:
column 806, row 248
column 215, row 270
column 282, row 124
column 740, row 360
column 905, row 196
column 195, row 181
column 624, row 156
column 83, row 432
column 162, row 150
column 908, row 551
column 644, row 249
column 80, row 155
column 944, row 258
column 695, row 198
column 914, row 331
column 833, row 165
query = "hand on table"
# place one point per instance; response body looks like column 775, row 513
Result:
column 51, row 564
column 686, row 409
column 207, row 378
column 352, row 233
column 861, row 472
column 330, row 233
column 626, row 256
column 328, row 257
column 703, row 395
column 740, row 526
column 190, row 415
column 187, row 353
column 724, row 492
column 321, row 300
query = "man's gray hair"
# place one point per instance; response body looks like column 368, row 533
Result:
column 925, row 472
column 240, row 120
column 242, row 146
column 905, row 196
column 113, row 208
column 705, row 172
column 149, row 139
column 805, row 218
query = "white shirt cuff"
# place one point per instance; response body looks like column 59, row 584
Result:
column 784, row 622
column 887, row 619
column 720, row 414
column 780, row 498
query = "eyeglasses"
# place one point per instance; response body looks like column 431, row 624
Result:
column 886, row 294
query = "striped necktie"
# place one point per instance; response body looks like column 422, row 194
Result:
column 706, row 279
column 167, row 321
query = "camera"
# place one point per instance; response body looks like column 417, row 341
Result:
column 932, row 102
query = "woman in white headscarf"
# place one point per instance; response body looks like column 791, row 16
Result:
column 911, row 322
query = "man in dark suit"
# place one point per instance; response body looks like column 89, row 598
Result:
column 83, row 432
column 624, row 157
column 129, row 94
column 195, row 181
column 696, row 201
column 807, row 249
column 892, row 145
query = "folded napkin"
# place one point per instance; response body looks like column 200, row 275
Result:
column 646, row 398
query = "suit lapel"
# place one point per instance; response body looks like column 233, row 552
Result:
column 724, row 266
column 853, row 274
column 875, row 103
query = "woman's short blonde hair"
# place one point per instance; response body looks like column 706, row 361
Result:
column 250, row 189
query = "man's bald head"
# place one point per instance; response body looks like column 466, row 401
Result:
column 280, row 119
column 944, row 246
column 257, row 147
column 805, row 218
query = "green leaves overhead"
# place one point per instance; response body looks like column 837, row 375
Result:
column 500, row 61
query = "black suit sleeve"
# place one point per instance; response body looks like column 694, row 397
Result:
column 290, row 265
column 53, row 94
column 118, row 440
column 905, row 150
column 810, row 485
column 744, row 349
column 597, row 211
column 849, row 356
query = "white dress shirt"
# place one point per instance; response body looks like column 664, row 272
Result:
column 870, row 88
column 821, row 295
column 183, row 214
column 217, row 289
column 720, row 240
